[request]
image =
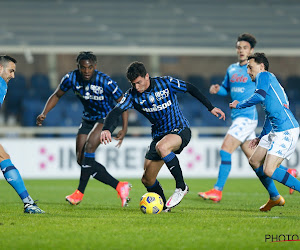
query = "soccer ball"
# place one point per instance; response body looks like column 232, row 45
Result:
column 151, row 203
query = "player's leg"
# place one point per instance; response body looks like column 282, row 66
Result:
column 97, row 170
column 257, row 161
column 283, row 145
column 76, row 197
column 230, row 144
column 166, row 148
column 151, row 169
column 272, row 169
column 13, row 177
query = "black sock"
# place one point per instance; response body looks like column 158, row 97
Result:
column 102, row 175
column 157, row 188
column 84, row 178
column 172, row 163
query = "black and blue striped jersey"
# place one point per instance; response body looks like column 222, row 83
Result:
column 158, row 104
column 97, row 95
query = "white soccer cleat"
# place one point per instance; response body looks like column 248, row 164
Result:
column 176, row 198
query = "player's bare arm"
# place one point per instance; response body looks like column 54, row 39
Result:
column 50, row 104
column 214, row 89
column 233, row 104
column 121, row 134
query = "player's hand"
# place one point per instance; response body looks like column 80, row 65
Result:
column 40, row 119
column 105, row 137
column 218, row 113
column 233, row 104
column 214, row 89
column 120, row 136
column 253, row 143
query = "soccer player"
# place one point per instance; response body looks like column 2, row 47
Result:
column 280, row 133
column 11, row 174
column 97, row 92
column 156, row 99
column 238, row 83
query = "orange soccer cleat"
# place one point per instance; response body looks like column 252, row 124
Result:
column 294, row 173
column 271, row 203
column 213, row 194
column 75, row 198
column 123, row 189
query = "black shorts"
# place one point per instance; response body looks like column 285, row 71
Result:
column 185, row 135
column 86, row 126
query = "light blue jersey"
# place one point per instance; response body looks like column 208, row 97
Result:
column 275, row 103
column 3, row 90
column 240, row 86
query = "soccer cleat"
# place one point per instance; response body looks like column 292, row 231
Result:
column 176, row 198
column 123, row 189
column 271, row 203
column 75, row 198
column 294, row 173
column 32, row 209
column 213, row 194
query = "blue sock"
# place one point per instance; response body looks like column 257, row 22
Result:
column 14, row 178
column 286, row 179
column 283, row 168
column 224, row 170
column 267, row 182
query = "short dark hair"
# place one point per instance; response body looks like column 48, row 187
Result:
column 135, row 70
column 86, row 55
column 4, row 59
column 248, row 38
column 260, row 58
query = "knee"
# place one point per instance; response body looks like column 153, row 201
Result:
column 253, row 163
column 147, row 181
column 89, row 147
column 161, row 149
column 268, row 172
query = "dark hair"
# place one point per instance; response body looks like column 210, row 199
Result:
column 260, row 58
column 248, row 38
column 135, row 70
column 86, row 55
column 4, row 59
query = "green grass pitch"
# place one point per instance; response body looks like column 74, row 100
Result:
column 100, row 222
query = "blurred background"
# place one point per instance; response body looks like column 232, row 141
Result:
column 193, row 40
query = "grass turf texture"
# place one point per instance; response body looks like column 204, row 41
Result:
column 100, row 222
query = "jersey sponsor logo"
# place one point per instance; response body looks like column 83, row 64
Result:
column 236, row 78
column 162, row 94
column 142, row 102
column 88, row 96
column 238, row 89
column 157, row 107
column 97, row 89
column 110, row 82
column 78, row 87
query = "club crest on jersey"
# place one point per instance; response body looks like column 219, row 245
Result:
column 151, row 99
column 162, row 94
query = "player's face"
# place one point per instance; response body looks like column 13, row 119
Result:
column 86, row 69
column 243, row 50
column 254, row 68
column 7, row 72
column 141, row 83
